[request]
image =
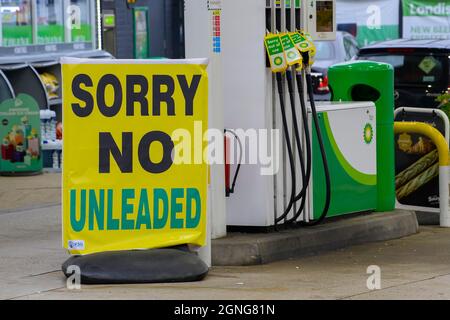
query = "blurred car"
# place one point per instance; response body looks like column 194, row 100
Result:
column 421, row 67
column 344, row 48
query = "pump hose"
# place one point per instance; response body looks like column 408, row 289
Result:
column 297, row 135
column 289, row 148
column 307, row 141
column 305, row 179
column 323, row 154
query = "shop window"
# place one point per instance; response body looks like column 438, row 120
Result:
column 50, row 21
column 81, row 21
column 40, row 22
column 17, row 28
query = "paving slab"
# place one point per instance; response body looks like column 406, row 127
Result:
column 29, row 192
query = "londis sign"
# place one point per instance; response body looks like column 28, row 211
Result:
column 123, row 184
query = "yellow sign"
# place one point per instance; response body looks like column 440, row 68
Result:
column 124, row 186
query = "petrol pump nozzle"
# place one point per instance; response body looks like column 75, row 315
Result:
column 276, row 47
column 278, row 65
column 275, row 53
column 307, row 49
column 306, row 57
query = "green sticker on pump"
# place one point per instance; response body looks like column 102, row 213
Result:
column 292, row 54
column 275, row 52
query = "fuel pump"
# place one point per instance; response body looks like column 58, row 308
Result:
column 283, row 51
column 278, row 190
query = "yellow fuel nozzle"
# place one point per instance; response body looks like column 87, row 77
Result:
column 275, row 52
column 293, row 56
column 305, row 45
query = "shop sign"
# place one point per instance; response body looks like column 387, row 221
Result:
column 426, row 19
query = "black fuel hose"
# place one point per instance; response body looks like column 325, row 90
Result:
column 304, row 114
column 297, row 135
column 323, row 154
column 289, row 148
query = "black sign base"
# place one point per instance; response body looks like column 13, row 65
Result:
column 138, row 266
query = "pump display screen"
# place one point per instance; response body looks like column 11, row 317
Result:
column 324, row 14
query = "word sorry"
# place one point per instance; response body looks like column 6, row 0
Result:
column 136, row 91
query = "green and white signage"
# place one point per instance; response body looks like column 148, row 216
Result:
column 349, row 137
column 300, row 42
column 276, row 53
column 292, row 55
column 141, row 32
column 428, row 19
column 20, row 135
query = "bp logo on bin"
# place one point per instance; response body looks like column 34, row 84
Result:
column 368, row 133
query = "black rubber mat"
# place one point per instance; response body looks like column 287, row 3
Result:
column 138, row 266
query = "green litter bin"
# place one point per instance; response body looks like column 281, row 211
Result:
column 372, row 81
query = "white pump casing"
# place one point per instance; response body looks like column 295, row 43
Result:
column 247, row 92
column 199, row 43
column 245, row 88
column 318, row 26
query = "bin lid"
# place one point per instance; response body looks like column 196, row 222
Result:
column 361, row 65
